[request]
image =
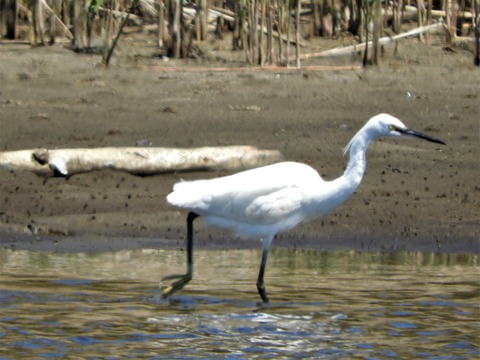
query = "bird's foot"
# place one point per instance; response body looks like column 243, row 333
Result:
column 176, row 285
column 263, row 306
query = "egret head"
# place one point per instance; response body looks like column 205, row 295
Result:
column 387, row 125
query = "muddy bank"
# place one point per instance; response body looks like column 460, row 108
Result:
column 414, row 196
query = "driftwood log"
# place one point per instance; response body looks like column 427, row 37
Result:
column 136, row 160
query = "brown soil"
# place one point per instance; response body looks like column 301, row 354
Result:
column 415, row 196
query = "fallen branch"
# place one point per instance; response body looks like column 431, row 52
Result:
column 214, row 13
column 284, row 37
column 191, row 14
column 122, row 14
column 360, row 47
column 136, row 160
column 458, row 40
column 251, row 69
column 224, row 11
column 438, row 13
column 57, row 19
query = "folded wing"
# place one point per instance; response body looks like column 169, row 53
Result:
column 264, row 195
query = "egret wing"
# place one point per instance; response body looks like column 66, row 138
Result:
column 261, row 195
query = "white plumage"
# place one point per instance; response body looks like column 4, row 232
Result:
column 252, row 202
column 265, row 201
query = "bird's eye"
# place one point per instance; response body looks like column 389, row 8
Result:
column 392, row 128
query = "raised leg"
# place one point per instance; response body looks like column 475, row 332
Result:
column 184, row 278
column 261, row 273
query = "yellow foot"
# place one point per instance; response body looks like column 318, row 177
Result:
column 175, row 286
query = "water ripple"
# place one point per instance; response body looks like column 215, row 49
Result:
column 357, row 306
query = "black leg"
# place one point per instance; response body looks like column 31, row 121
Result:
column 261, row 273
column 185, row 278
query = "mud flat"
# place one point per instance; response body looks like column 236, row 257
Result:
column 415, row 196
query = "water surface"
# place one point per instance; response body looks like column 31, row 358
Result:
column 333, row 305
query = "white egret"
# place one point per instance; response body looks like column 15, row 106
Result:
column 275, row 198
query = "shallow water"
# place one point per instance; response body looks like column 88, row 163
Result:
column 334, row 305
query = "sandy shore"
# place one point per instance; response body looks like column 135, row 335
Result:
column 415, row 196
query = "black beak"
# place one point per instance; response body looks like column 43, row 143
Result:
column 420, row 135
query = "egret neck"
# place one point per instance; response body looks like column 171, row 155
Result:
column 344, row 186
column 357, row 162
